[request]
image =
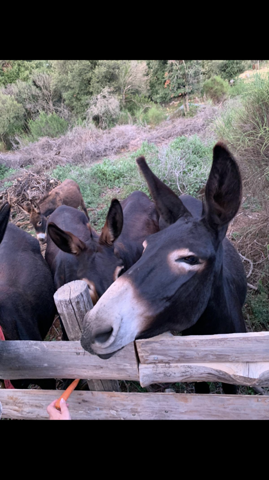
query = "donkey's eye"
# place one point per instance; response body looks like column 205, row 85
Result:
column 118, row 272
column 39, row 223
column 191, row 260
column 122, row 270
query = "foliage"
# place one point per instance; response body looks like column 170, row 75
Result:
column 154, row 115
column 125, row 78
column 47, row 125
column 229, row 69
column 244, row 121
column 183, row 165
column 104, row 108
column 137, row 103
column 106, row 73
column 183, row 76
column 11, row 118
column 13, row 70
column 37, row 95
column 72, row 81
column 258, row 306
column 132, row 79
column 156, row 71
column 5, row 171
column 240, row 87
column 216, row 88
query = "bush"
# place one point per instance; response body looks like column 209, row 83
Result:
column 5, row 171
column 185, row 164
column 157, row 90
column 154, row 115
column 104, row 109
column 258, row 307
column 105, row 73
column 216, row 88
column 47, row 125
column 244, row 122
column 72, row 81
column 13, row 70
column 11, row 118
column 229, row 69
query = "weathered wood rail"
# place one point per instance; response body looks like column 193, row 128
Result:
column 241, row 359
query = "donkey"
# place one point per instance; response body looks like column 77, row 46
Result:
column 67, row 193
column 99, row 259
column 190, row 278
column 27, row 308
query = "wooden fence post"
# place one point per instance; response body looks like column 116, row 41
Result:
column 73, row 301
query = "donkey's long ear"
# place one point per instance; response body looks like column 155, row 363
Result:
column 223, row 190
column 114, row 223
column 168, row 205
column 36, row 207
column 27, row 207
column 66, row 241
column 4, row 217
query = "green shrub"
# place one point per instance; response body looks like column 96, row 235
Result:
column 155, row 115
column 244, row 122
column 157, row 89
column 258, row 307
column 137, row 102
column 11, row 118
column 183, row 165
column 240, row 87
column 13, row 70
column 47, row 125
column 229, row 69
column 104, row 109
column 216, row 88
column 72, row 80
column 5, row 171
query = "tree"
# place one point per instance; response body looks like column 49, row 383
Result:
column 156, row 74
column 132, row 79
column 229, row 69
column 106, row 74
column 184, row 77
column 13, row 70
column 72, row 80
column 104, row 108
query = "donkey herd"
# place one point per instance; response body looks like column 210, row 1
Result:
column 158, row 265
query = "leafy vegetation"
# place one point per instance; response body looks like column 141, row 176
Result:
column 216, row 88
column 5, row 171
column 183, row 165
column 11, row 118
column 47, row 125
column 74, row 89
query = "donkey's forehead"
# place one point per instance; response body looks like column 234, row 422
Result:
column 191, row 234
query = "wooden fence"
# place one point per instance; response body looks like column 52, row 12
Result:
column 241, row 359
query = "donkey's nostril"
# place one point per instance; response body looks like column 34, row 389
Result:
column 103, row 336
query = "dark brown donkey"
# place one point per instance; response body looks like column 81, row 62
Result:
column 99, row 259
column 67, row 193
column 190, row 277
column 27, row 307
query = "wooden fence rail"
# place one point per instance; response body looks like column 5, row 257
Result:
column 87, row 405
column 241, row 359
column 28, row 359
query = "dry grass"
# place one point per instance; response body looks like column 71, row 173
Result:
column 249, row 74
column 83, row 145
